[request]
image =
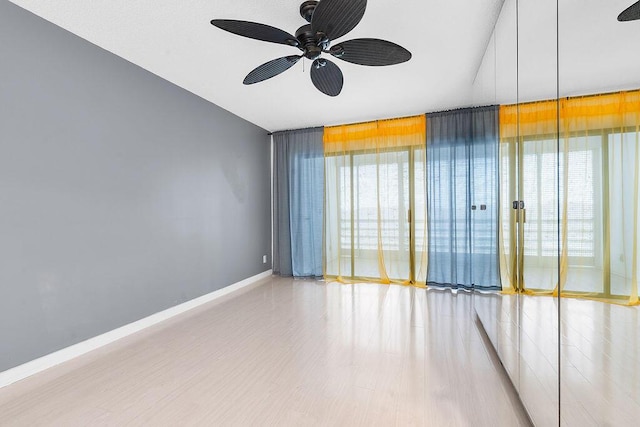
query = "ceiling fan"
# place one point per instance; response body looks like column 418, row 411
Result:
column 631, row 13
column 328, row 20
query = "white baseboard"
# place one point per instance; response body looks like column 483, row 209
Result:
column 45, row 362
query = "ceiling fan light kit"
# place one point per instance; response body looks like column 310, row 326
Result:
column 327, row 20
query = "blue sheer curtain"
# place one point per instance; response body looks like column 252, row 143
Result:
column 462, row 198
column 298, row 192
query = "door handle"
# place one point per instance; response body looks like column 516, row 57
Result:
column 521, row 214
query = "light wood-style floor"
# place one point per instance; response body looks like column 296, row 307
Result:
column 599, row 356
column 285, row 353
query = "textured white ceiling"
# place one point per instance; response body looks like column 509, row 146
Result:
column 448, row 40
column 175, row 40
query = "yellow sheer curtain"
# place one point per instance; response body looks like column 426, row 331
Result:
column 528, row 173
column 602, row 130
column 598, row 157
column 375, row 207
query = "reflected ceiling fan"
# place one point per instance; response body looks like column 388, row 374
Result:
column 328, row 20
column 631, row 13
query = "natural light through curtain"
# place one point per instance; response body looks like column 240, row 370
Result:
column 374, row 185
column 528, row 172
column 599, row 162
column 462, row 194
column 298, row 182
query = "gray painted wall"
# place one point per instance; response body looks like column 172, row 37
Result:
column 120, row 194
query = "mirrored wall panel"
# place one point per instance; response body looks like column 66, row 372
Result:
column 600, row 162
column 520, row 71
column 566, row 75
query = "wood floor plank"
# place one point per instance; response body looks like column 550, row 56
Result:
column 289, row 352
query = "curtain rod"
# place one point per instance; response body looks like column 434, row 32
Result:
column 481, row 107
column 422, row 114
column 377, row 120
column 615, row 92
column 291, row 130
column 388, row 119
column 347, row 124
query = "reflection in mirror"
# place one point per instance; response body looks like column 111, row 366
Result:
column 600, row 152
column 496, row 83
column 519, row 71
column 570, row 151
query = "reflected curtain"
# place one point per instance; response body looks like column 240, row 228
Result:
column 529, row 172
column 298, row 180
column 462, row 198
column 374, row 206
column 590, row 175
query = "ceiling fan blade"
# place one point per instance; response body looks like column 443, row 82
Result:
column 631, row 13
column 253, row 30
column 326, row 77
column 372, row 52
column 335, row 18
column 271, row 69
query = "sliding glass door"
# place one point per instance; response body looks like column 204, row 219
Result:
column 376, row 221
column 623, row 182
column 537, row 214
column 529, row 213
column 601, row 180
column 570, row 195
column 380, row 214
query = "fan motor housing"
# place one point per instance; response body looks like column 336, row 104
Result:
column 311, row 43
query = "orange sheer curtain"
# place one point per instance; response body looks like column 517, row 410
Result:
column 375, row 210
column 528, row 172
column 598, row 157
